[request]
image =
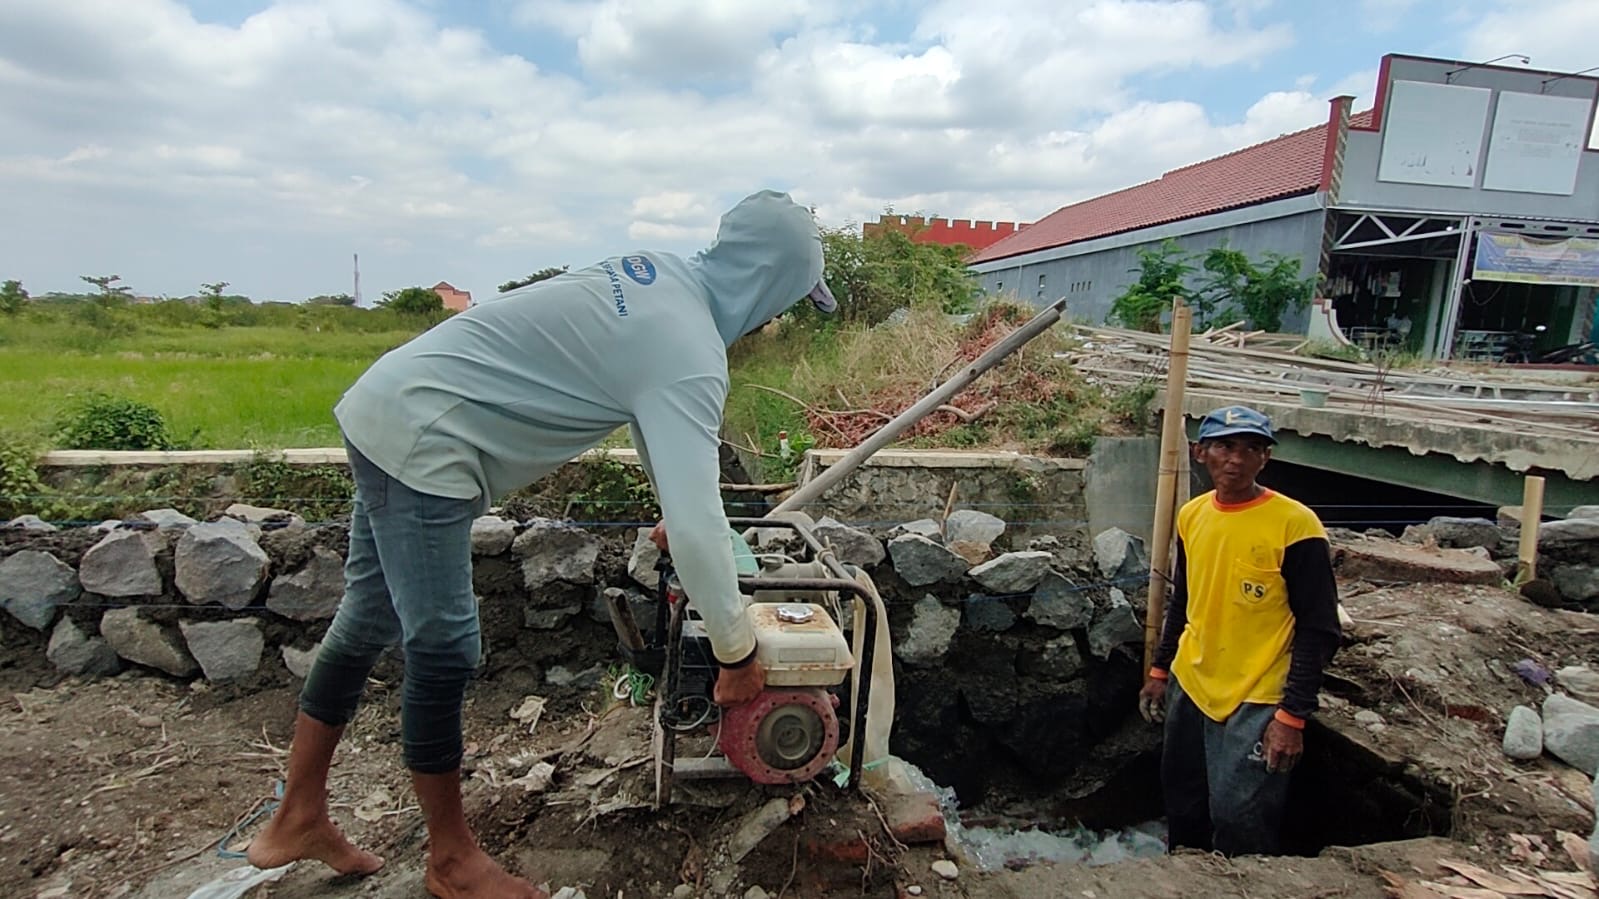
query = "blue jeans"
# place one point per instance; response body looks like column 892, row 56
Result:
column 407, row 580
column 1219, row 795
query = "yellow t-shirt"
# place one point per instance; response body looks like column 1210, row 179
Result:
column 1240, row 634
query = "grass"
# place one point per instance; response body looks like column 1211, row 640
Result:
column 269, row 387
column 271, row 380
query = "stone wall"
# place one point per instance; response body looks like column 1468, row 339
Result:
column 1012, row 665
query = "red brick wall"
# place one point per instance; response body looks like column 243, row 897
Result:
column 948, row 232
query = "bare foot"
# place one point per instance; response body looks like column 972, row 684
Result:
column 476, row 876
column 282, row 842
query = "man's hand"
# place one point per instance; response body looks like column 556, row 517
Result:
column 1152, row 701
column 658, row 537
column 736, row 686
column 1283, row 745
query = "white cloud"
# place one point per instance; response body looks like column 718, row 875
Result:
column 1557, row 34
column 176, row 151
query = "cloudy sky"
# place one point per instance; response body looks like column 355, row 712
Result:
column 263, row 142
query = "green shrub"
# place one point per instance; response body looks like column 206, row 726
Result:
column 21, row 490
column 104, row 422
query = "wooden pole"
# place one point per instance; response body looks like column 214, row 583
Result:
column 1173, row 446
column 1531, row 515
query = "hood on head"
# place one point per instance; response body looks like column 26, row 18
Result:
column 767, row 256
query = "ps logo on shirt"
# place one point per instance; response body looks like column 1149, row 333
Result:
column 639, row 268
column 1253, row 589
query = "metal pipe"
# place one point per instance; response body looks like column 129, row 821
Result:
column 1457, row 285
column 941, row 394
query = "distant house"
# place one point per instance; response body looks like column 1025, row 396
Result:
column 1442, row 221
column 454, row 300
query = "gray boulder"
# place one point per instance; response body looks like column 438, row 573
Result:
column 226, row 650
column 264, row 518
column 1590, row 513
column 1059, row 603
column 1119, row 554
column 972, row 526
column 1523, row 734
column 166, row 520
column 921, row 561
column 146, row 643
column 73, row 652
column 1581, row 682
column 312, row 593
column 299, row 661
column 852, row 546
column 1578, row 583
column 925, row 527
column 121, row 564
column 33, row 584
column 1566, row 533
column 220, row 562
column 989, row 613
column 932, row 627
column 1061, row 659
column 28, row 523
column 491, row 535
column 1571, row 731
column 641, row 564
column 1114, row 626
column 1013, row 572
column 555, row 551
column 1463, row 533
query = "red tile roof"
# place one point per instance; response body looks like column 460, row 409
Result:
column 1281, row 167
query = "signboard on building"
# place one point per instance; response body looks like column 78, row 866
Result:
column 1537, row 143
column 1530, row 260
column 1432, row 134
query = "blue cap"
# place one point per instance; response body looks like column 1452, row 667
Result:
column 1229, row 420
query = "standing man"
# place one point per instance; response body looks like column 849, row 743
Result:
column 492, row 400
column 1252, row 623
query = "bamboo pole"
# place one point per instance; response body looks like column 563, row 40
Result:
column 1173, row 444
column 885, row 435
column 1531, row 515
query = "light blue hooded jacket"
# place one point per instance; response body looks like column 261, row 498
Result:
column 504, row 393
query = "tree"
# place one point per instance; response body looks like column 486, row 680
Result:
column 111, row 292
column 1238, row 288
column 12, row 297
column 874, row 275
column 543, row 274
column 1161, row 273
column 213, row 292
column 413, row 301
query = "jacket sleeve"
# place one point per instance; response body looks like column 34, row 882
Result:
column 676, row 426
column 1313, row 599
column 1176, row 613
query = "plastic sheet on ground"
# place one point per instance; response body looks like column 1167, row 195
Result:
column 992, row 850
column 239, row 881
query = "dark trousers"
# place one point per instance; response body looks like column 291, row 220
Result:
column 1219, row 795
column 407, row 580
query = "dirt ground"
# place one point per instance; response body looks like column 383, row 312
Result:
column 124, row 787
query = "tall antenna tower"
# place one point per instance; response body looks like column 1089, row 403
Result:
column 357, row 279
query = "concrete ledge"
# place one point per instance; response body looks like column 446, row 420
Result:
column 896, row 458
column 322, row 456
